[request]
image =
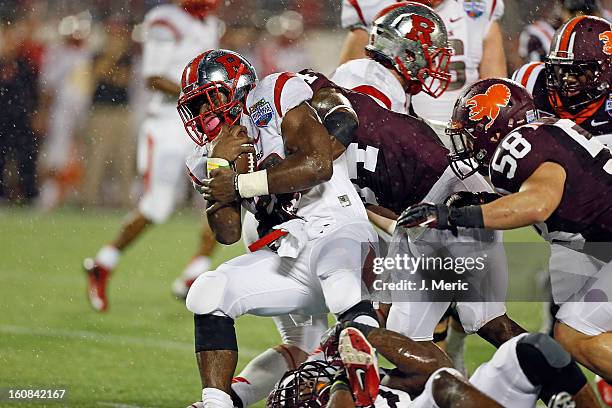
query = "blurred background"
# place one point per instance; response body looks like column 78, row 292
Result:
column 70, row 67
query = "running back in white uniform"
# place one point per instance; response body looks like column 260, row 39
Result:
column 467, row 23
column 172, row 38
column 322, row 254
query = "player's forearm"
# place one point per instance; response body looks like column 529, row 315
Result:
column 381, row 221
column 493, row 63
column 354, row 45
column 226, row 224
column 161, row 84
column 300, row 171
column 422, row 358
column 517, row 210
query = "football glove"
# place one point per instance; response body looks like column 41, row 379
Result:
column 464, row 198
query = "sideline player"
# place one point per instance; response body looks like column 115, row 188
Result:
column 307, row 209
column 553, row 172
column 528, row 367
column 175, row 32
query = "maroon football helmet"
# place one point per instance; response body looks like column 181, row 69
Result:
column 483, row 115
column 579, row 65
column 200, row 8
column 307, row 386
column 218, row 81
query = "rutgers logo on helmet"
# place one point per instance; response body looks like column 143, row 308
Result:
column 214, row 87
column 578, row 67
column 484, row 114
column 411, row 38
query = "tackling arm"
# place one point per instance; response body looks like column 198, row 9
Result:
column 158, row 83
column 538, row 197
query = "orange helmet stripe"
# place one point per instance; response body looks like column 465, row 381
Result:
column 567, row 33
column 528, row 72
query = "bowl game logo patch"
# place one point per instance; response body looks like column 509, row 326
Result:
column 261, row 113
column 474, row 8
column 609, row 105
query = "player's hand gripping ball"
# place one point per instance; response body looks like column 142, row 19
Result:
column 234, row 145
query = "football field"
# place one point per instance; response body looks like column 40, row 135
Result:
column 140, row 353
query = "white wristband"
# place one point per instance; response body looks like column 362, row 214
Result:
column 253, row 184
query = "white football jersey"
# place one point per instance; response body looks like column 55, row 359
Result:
column 334, row 202
column 392, row 398
column 369, row 77
column 361, row 13
column 174, row 37
column 467, row 23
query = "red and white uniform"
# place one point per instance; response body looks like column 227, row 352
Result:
column 467, row 24
column 323, row 251
column 361, row 13
column 372, row 78
column 173, row 38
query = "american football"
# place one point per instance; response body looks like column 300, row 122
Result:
column 245, row 162
column 291, row 204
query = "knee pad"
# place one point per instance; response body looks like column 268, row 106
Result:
column 545, row 363
column 214, row 333
column 363, row 308
column 207, row 293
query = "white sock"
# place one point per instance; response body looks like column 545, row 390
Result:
column 455, row 348
column 215, row 398
column 258, row 378
column 365, row 319
column 196, row 267
column 108, row 257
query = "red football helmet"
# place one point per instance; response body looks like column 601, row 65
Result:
column 412, row 39
column 200, row 8
column 483, row 115
column 579, row 65
column 214, row 88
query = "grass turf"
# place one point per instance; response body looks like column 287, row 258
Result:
column 139, row 354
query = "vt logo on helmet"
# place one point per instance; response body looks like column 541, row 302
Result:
column 488, row 104
column 214, row 87
column 412, row 39
column 484, row 114
column 606, row 38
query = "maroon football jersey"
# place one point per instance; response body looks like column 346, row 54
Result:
column 586, row 205
column 595, row 118
column 393, row 159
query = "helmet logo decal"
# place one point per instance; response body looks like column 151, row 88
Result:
column 232, row 64
column 422, row 27
column 606, row 38
column 488, row 104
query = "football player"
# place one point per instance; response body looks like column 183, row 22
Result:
column 175, row 32
column 528, row 367
column 574, row 83
column 311, row 222
column 552, row 172
column 473, row 32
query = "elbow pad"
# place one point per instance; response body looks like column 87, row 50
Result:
column 341, row 124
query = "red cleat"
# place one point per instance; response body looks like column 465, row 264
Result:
column 97, row 278
column 361, row 364
column 605, row 390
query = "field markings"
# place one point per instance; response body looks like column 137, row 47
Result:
column 116, row 339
